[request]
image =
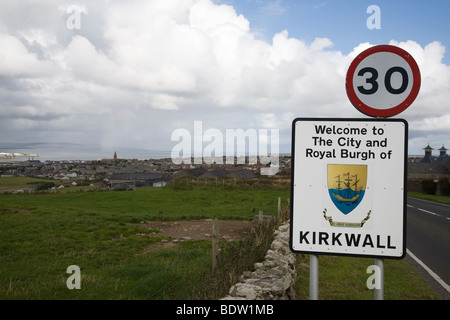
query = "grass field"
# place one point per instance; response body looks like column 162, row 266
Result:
column 42, row 234
column 10, row 184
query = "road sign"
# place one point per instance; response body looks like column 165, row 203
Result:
column 348, row 187
column 383, row 81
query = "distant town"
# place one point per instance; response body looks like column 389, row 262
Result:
column 116, row 172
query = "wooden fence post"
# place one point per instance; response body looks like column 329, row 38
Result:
column 215, row 247
column 279, row 206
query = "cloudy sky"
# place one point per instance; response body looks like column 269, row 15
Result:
column 106, row 75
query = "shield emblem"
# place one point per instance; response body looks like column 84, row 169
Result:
column 346, row 185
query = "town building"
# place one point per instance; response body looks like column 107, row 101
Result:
column 429, row 166
column 429, row 174
column 132, row 180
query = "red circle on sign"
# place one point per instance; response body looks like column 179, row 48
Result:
column 370, row 110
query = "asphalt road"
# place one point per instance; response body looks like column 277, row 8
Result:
column 428, row 235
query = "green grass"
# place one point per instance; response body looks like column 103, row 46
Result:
column 153, row 203
column 430, row 197
column 345, row 278
column 9, row 184
column 23, row 185
column 42, row 234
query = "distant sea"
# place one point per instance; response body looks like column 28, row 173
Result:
column 61, row 151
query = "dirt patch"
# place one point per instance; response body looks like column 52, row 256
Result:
column 199, row 229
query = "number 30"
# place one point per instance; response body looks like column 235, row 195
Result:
column 387, row 80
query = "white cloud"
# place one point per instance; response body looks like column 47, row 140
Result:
column 432, row 101
column 17, row 62
column 137, row 70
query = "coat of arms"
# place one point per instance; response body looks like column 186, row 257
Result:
column 346, row 187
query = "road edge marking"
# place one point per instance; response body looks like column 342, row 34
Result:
column 430, row 272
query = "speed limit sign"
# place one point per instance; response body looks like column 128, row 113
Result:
column 383, row 81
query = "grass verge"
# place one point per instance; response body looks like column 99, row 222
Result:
column 345, row 278
column 430, row 197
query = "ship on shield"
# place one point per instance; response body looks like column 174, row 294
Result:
column 346, row 185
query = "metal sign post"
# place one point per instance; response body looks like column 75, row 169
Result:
column 378, row 291
column 313, row 277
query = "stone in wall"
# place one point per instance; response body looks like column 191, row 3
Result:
column 273, row 279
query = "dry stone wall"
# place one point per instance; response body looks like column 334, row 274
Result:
column 273, row 279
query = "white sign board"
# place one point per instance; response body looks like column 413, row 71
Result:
column 348, row 187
